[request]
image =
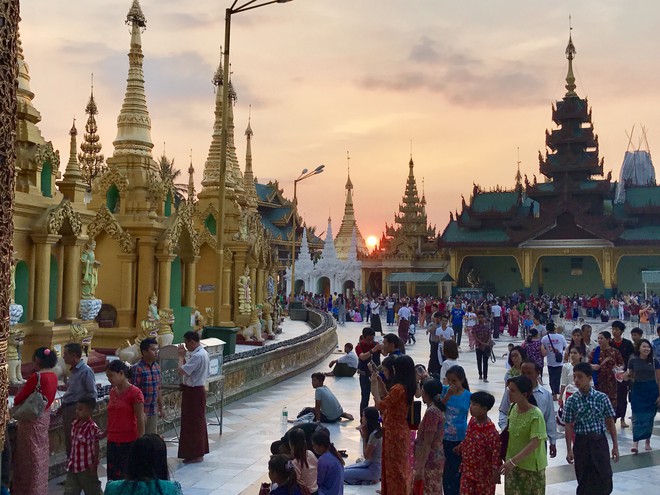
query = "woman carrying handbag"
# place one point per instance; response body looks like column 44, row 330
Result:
column 32, row 452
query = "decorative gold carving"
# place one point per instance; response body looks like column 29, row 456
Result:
column 63, row 211
column 112, row 177
column 206, row 237
column 106, row 221
column 183, row 218
column 45, row 153
column 155, row 189
column 9, row 10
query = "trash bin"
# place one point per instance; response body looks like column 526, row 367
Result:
column 226, row 334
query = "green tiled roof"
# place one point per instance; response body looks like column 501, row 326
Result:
column 494, row 201
column 545, row 186
column 645, row 233
column 639, row 197
column 454, row 233
column 420, row 277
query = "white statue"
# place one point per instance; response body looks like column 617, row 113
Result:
column 245, row 293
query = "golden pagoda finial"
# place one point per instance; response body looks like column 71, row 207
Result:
column 72, row 186
column 248, row 178
column 211, row 176
column 92, row 161
column 191, row 179
column 134, row 123
column 349, row 184
column 570, row 55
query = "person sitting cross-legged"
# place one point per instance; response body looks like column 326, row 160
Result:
column 346, row 365
column 327, row 408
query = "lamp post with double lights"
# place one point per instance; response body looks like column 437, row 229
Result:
column 305, row 174
column 220, row 227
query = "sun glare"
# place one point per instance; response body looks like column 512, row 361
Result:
column 372, row 240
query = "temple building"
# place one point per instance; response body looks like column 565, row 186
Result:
column 329, row 274
column 112, row 246
column 563, row 235
column 349, row 227
column 407, row 260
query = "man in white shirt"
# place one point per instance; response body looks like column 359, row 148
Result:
column 555, row 344
column 194, row 370
column 404, row 320
column 543, row 401
column 443, row 332
column 375, row 316
column 496, row 312
column 346, row 365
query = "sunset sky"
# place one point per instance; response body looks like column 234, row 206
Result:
column 468, row 82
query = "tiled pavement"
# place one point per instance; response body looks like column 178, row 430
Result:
column 238, row 459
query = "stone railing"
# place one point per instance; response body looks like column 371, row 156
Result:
column 244, row 373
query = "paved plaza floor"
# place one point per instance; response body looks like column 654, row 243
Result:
column 238, row 460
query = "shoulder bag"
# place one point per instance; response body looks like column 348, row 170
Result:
column 558, row 357
column 414, row 414
column 32, row 407
column 504, row 436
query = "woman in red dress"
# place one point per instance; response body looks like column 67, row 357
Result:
column 32, row 453
column 514, row 321
column 603, row 360
column 396, row 476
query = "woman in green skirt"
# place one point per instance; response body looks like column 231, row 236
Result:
column 526, row 460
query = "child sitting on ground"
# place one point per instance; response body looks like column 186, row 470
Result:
column 282, row 473
column 84, row 458
column 480, row 449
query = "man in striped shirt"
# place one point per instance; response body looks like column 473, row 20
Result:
column 84, row 458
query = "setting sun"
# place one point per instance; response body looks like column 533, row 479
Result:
column 372, row 240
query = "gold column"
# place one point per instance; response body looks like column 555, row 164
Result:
column 227, row 292
column 253, row 284
column 527, row 270
column 384, row 286
column 72, row 277
column 190, row 291
column 164, row 279
column 126, row 312
column 42, row 251
column 260, row 286
column 59, row 308
column 145, row 271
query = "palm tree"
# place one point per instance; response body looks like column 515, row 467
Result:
column 167, row 171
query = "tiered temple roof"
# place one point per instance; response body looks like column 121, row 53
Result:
column 576, row 202
column 410, row 235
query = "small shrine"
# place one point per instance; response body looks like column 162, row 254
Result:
column 329, row 274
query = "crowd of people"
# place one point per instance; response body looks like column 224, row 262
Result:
column 450, row 446
column 136, row 454
column 454, row 448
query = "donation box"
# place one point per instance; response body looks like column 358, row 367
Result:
column 169, row 362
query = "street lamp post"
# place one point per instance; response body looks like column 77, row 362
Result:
column 305, row 174
column 220, row 224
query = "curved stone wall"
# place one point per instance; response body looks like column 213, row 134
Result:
column 254, row 370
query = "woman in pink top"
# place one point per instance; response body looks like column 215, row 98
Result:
column 32, row 453
column 304, row 461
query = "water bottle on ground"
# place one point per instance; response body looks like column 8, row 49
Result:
column 285, row 416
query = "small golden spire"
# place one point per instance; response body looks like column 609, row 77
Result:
column 570, row 55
